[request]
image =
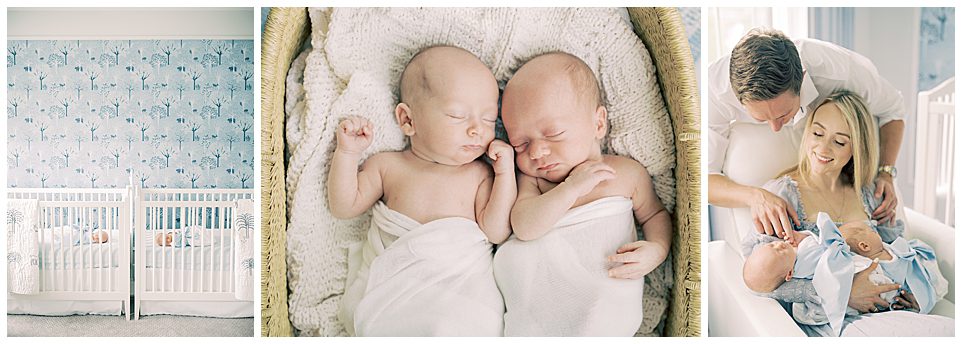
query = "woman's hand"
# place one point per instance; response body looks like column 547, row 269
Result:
column 886, row 189
column 772, row 215
column 866, row 296
column 639, row 258
column 906, row 301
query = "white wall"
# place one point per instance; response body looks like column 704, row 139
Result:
column 890, row 38
column 130, row 23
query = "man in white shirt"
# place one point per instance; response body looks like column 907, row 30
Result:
column 770, row 78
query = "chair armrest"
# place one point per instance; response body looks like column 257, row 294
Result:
column 942, row 239
column 732, row 309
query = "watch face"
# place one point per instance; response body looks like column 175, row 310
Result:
column 888, row 169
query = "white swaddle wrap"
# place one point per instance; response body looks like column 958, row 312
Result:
column 558, row 285
column 410, row 279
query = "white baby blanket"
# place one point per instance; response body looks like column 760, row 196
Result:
column 23, row 246
column 558, row 285
column 433, row 279
column 244, row 250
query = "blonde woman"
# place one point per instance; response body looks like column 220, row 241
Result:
column 836, row 174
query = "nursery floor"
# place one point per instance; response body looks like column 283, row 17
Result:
column 116, row 326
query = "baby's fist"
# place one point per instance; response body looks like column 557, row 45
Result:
column 502, row 157
column 354, row 135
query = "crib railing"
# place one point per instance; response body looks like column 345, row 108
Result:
column 935, row 152
column 185, row 270
column 75, row 261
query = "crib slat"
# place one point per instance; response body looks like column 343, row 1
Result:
column 183, row 247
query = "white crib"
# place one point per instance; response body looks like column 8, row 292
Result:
column 175, row 279
column 935, row 153
column 73, row 267
column 198, row 270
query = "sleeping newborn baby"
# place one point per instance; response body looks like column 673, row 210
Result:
column 575, row 208
column 911, row 264
column 425, row 267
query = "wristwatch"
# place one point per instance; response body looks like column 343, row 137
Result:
column 888, row 169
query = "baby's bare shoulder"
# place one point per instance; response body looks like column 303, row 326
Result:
column 383, row 160
column 627, row 167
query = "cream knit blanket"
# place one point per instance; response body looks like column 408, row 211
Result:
column 354, row 69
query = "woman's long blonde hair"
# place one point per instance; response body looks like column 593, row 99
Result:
column 862, row 168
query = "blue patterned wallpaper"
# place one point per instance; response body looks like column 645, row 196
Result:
column 171, row 113
column 937, row 50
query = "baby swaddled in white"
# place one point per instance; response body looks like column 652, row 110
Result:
column 559, row 284
column 421, row 279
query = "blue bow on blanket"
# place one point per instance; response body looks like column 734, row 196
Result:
column 831, row 269
column 907, row 270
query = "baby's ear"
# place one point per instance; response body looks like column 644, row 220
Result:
column 601, row 122
column 863, row 246
column 788, row 276
column 403, row 115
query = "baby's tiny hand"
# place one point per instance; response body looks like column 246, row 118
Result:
column 354, row 135
column 589, row 174
column 502, row 157
column 639, row 258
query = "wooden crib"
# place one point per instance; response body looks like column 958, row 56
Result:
column 186, row 269
column 73, row 266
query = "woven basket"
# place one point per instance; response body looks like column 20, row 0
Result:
column 662, row 32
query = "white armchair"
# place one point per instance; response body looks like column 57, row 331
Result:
column 732, row 309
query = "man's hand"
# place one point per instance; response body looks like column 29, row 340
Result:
column 502, row 157
column 772, row 215
column 865, row 296
column 584, row 177
column 639, row 258
column 354, row 135
column 884, row 187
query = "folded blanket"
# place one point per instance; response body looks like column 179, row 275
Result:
column 23, row 247
column 432, row 279
column 558, row 285
column 244, row 250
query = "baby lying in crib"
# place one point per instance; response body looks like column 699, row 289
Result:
column 574, row 217
column 194, row 236
column 86, row 235
column 448, row 109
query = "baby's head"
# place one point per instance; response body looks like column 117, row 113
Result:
column 164, row 239
column 99, row 237
column 554, row 115
column 769, row 266
column 449, row 104
column 861, row 239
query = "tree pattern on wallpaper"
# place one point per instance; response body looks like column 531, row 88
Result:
column 937, row 51
column 172, row 113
